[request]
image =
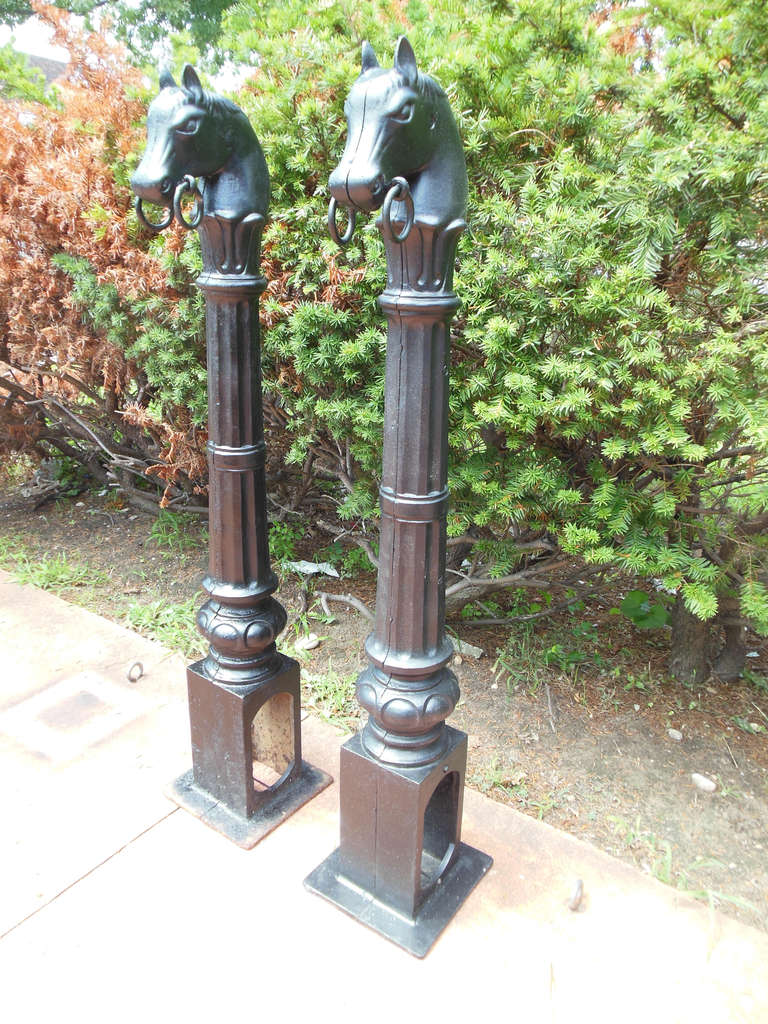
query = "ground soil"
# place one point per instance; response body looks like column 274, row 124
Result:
column 582, row 742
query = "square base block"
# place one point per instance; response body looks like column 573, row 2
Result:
column 401, row 868
column 247, row 832
column 231, row 728
column 416, row 935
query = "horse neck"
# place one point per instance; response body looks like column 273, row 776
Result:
column 241, row 187
column 235, row 206
column 426, row 261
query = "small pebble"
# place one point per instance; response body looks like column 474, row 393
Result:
column 79, row 504
column 469, row 650
column 637, row 707
column 675, row 734
column 703, row 783
column 307, row 643
column 494, row 686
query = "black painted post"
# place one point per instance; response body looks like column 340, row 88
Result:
column 401, row 866
column 244, row 697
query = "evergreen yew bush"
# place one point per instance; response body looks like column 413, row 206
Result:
column 610, row 371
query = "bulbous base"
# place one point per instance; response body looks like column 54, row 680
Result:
column 406, row 726
column 242, row 640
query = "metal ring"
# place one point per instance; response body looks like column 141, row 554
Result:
column 188, row 184
column 139, row 208
column 346, row 238
column 135, row 672
column 401, row 191
column 578, row 894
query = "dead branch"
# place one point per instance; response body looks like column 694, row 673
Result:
column 348, row 599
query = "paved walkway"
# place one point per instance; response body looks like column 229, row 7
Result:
column 116, row 906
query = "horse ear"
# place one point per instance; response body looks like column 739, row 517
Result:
column 369, row 57
column 166, row 79
column 191, row 83
column 405, row 61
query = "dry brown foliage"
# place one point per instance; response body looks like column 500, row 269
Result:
column 58, row 195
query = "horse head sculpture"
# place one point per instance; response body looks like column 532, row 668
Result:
column 399, row 120
column 194, row 134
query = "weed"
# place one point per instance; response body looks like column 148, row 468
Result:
column 643, row 611
column 754, row 728
column 17, row 469
column 759, row 682
column 54, row 572
column 478, row 611
column 333, row 553
column 332, row 696
column 644, row 681
column 566, row 660
column 518, row 662
column 176, row 532
column 661, row 865
column 356, row 560
column 543, row 806
column 169, row 624
column 712, row 896
column 282, row 541
column 11, row 550
column 494, row 776
column 725, row 790
column 71, row 475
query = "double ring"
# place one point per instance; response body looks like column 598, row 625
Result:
column 188, row 184
column 346, row 238
column 400, row 191
column 139, row 208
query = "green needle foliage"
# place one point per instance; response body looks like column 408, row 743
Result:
column 18, row 80
column 610, row 377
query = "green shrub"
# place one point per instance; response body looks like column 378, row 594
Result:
column 610, row 378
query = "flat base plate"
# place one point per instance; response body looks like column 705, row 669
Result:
column 416, row 935
column 247, row 832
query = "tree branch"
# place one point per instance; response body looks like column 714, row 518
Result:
column 521, row 579
column 348, row 599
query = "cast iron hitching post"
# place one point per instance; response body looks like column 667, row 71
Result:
column 401, row 867
column 244, row 697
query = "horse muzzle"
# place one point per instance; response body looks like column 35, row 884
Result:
column 363, row 190
column 153, row 188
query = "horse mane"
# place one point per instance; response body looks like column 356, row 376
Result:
column 215, row 105
column 429, row 88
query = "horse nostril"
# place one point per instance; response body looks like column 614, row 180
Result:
column 165, row 186
column 377, row 188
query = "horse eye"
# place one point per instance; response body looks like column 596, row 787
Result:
column 404, row 114
column 189, row 127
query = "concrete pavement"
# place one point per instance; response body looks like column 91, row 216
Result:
column 117, row 906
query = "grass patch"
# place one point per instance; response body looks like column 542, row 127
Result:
column 332, row 696
column 170, row 624
column 56, row 573
column 175, row 533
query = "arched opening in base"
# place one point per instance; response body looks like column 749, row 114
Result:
column 272, row 742
column 440, row 831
